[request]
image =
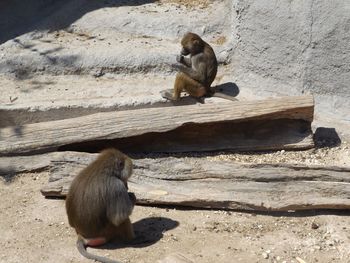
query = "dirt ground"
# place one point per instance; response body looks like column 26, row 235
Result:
column 35, row 229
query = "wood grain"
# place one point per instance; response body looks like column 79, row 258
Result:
column 49, row 136
column 197, row 182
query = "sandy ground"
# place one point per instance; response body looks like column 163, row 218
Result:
column 35, row 229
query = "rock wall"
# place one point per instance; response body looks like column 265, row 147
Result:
column 294, row 47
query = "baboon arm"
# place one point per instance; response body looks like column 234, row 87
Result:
column 183, row 60
column 199, row 74
column 187, row 62
column 120, row 206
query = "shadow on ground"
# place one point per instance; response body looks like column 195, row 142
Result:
column 291, row 213
column 326, row 137
column 18, row 17
column 228, row 88
column 8, row 174
column 151, row 228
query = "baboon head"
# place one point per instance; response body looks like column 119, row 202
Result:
column 191, row 44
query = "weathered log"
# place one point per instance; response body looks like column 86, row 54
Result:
column 277, row 123
column 198, row 182
column 23, row 164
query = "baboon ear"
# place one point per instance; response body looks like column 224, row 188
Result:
column 120, row 164
column 196, row 42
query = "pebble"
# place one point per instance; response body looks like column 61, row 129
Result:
column 265, row 255
column 329, row 243
column 314, row 225
column 300, row 260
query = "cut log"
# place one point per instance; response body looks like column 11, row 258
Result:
column 24, row 164
column 278, row 123
column 198, row 182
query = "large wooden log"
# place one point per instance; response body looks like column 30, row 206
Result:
column 197, row 182
column 23, row 164
column 277, row 123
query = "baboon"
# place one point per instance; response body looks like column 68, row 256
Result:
column 98, row 204
column 197, row 72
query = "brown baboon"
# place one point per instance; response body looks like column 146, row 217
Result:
column 197, row 72
column 98, row 203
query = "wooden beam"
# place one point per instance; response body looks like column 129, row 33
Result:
column 198, row 182
column 185, row 122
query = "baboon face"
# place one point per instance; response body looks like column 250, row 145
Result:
column 191, row 44
column 122, row 165
column 125, row 166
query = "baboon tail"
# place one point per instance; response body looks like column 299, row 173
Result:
column 82, row 249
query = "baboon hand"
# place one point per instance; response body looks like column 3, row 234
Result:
column 132, row 197
column 179, row 58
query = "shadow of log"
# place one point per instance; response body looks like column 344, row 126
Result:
column 326, row 137
column 8, row 174
column 243, row 136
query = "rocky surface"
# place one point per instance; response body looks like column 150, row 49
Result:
column 288, row 47
column 68, row 58
column 110, row 56
column 269, row 49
